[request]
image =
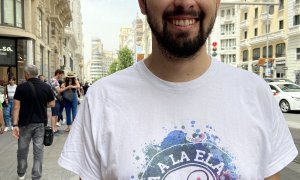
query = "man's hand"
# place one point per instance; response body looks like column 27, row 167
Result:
column 16, row 132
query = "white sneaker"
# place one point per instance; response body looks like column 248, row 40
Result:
column 22, row 178
column 6, row 129
column 58, row 124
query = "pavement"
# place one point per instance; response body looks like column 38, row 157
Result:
column 52, row 171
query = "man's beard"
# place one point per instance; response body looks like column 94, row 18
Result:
column 180, row 46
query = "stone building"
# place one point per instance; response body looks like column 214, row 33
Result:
column 32, row 32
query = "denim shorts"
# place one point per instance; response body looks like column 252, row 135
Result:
column 55, row 110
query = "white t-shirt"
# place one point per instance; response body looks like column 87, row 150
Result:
column 222, row 125
column 11, row 90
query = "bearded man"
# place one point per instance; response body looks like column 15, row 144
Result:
column 179, row 114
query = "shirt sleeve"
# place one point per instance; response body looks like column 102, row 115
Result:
column 17, row 95
column 283, row 149
column 50, row 95
column 79, row 154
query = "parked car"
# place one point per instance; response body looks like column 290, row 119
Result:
column 277, row 80
column 287, row 95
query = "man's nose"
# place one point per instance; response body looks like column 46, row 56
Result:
column 185, row 4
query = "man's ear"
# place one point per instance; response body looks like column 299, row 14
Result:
column 142, row 4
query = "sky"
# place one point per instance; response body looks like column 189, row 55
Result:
column 103, row 19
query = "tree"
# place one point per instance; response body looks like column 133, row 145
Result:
column 124, row 60
column 113, row 67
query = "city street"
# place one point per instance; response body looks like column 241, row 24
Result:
column 52, row 171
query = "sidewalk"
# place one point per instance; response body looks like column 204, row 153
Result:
column 51, row 170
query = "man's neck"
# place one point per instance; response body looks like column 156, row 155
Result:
column 179, row 70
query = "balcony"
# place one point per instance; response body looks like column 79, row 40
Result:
column 244, row 25
column 297, row 7
column 293, row 31
column 265, row 16
column 244, row 7
column 244, row 43
column 274, row 36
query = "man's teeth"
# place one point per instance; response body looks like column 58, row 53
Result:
column 186, row 22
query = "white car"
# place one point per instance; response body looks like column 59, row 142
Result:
column 287, row 95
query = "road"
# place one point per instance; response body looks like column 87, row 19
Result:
column 292, row 171
column 52, row 171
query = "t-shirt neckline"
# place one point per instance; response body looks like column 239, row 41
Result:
column 199, row 81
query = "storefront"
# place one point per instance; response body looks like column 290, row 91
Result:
column 15, row 53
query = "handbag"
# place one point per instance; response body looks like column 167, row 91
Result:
column 59, row 98
column 48, row 134
column 68, row 95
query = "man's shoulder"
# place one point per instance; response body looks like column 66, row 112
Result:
column 237, row 74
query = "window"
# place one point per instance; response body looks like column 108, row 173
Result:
column 271, row 9
column 256, row 13
column 0, row 11
column 41, row 59
column 11, row 13
column 296, row 20
column 8, row 12
column 19, row 14
column 280, row 24
column 255, row 32
column 245, row 16
column 256, row 53
column 245, row 55
column 233, row 12
column 228, row 12
column 270, row 51
column 40, row 23
column 280, row 50
column 297, row 1
column 222, row 13
column 245, row 35
column 298, row 53
column 281, row 4
column 268, row 28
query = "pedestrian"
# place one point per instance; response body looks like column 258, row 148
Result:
column 30, row 117
column 2, row 123
column 57, row 90
column 9, row 103
column 85, row 87
column 71, row 104
column 60, row 118
column 180, row 113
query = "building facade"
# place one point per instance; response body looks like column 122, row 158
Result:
column 293, row 47
column 73, row 42
column 227, row 27
column 31, row 32
column 100, row 61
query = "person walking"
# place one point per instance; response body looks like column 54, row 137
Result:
column 179, row 113
column 9, row 99
column 71, row 103
column 2, row 123
column 30, row 117
column 57, row 90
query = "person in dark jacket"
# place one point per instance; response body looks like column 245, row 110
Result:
column 30, row 116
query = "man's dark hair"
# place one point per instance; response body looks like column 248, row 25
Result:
column 59, row 71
